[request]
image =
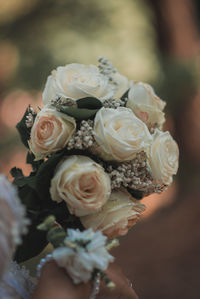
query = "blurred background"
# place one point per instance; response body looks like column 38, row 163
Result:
column 149, row 40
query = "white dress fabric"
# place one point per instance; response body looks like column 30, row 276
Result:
column 16, row 283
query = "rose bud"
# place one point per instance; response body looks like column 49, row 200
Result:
column 117, row 216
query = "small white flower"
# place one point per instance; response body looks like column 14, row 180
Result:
column 88, row 254
column 77, row 81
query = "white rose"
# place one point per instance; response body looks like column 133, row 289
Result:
column 120, row 134
column 145, row 104
column 117, row 216
column 80, row 262
column 163, row 157
column 122, row 85
column 51, row 132
column 77, row 81
column 82, row 184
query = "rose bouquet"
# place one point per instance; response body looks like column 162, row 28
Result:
column 96, row 148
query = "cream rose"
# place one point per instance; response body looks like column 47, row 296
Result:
column 163, row 157
column 117, row 216
column 82, row 184
column 145, row 104
column 50, row 132
column 122, row 85
column 120, row 134
column 77, row 81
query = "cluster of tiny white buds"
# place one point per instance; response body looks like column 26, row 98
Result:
column 30, row 117
column 156, row 188
column 134, row 174
column 29, row 120
column 113, row 103
column 61, row 101
column 83, row 138
column 106, row 68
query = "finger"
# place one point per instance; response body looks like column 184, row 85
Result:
column 122, row 288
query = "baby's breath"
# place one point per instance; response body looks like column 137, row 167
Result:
column 83, row 138
column 135, row 175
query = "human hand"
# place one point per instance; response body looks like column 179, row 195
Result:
column 122, row 290
column 55, row 283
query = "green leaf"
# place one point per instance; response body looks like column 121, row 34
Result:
column 16, row 173
column 33, row 243
column 47, row 224
column 89, row 103
column 28, row 181
column 125, row 95
column 24, row 132
column 45, row 174
column 29, row 198
column 78, row 113
column 30, row 159
column 56, row 236
column 136, row 193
